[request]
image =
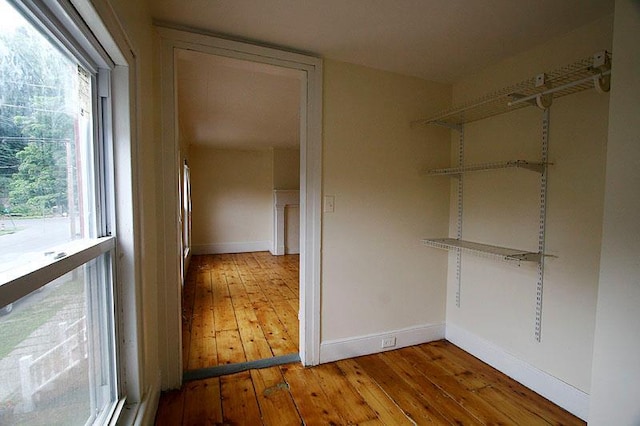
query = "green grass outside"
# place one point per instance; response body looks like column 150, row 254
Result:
column 18, row 325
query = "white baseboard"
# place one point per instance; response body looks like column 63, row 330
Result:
column 555, row 390
column 244, row 247
column 277, row 250
column 281, row 250
column 335, row 350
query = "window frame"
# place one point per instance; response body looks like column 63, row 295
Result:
column 186, row 213
column 65, row 24
column 21, row 281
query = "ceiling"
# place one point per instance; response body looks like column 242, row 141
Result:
column 438, row 40
column 231, row 103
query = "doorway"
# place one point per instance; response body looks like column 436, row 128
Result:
column 239, row 132
column 310, row 71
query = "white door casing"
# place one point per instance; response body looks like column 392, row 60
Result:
column 169, row 303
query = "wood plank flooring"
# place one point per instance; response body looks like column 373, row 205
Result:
column 239, row 307
column 243, row 307
column 434, row 383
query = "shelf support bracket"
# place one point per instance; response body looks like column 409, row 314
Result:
column 543, row 100
column 457, row 127
column 534, row 167
column 602, row 65
column 602, row 84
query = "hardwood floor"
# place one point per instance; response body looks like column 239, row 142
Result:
column 243, row 307
column 434, row 383
column 239, row 307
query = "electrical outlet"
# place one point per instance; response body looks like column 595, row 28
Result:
column 388, row 342
column 329, row 203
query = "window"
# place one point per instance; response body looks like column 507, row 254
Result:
column 57, row 307
column 186, row 211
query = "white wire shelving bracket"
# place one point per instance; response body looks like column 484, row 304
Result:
column 534, row 166
column 509, row 255
column 591, row 72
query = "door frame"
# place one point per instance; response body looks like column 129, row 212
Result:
column 169, row 294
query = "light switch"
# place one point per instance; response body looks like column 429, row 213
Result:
column 329, row 203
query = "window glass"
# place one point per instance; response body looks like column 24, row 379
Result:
column 45, row 145
column 186, row 210
column 57, row 343
column 55, row 351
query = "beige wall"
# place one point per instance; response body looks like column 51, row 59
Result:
column 286, row 168
column 231, row 199
column 376, row 276
column 616, row 360
column 501, row 208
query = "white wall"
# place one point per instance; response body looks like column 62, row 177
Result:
column 497, row 300
column 231, row 200
column 616, row 356
column 286, row 168
column 376, row 275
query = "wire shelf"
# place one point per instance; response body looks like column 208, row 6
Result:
column 504, row 254
column 520, row 164
column 573, row 78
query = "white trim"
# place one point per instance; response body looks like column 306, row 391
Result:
column 144, row 412
column 286, row 197
column 169, row 303
column 334, row 350
column 109, row 31
column 20, row 281
column 557, row 391
column 69, row 31
column 310, row 189
column 311, row 213
column 241, row 247
column 205, row 42
column 281, row 199
column 148, row 407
